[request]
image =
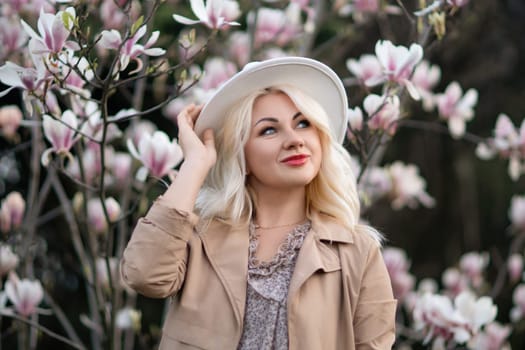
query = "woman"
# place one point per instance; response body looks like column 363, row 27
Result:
column 257, row 239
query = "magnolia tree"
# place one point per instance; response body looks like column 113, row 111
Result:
column 85, row 86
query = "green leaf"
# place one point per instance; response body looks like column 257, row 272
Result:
column 138, row 23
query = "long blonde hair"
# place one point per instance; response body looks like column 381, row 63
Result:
column 332, row 192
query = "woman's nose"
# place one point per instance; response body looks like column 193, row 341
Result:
column 293, row 139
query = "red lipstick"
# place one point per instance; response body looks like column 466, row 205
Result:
column 295, row 160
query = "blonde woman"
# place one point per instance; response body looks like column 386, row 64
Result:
column 258, row 240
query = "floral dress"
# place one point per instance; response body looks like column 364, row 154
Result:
column 265, row 319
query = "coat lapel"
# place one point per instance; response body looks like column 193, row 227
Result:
column 227, row 250
column 315, row 254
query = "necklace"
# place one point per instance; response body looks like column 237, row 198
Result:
column 259, row 227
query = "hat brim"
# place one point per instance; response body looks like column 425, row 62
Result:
column 312, row 77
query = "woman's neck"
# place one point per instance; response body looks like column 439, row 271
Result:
column 277, row 207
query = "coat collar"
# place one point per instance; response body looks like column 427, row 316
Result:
column 227, row 250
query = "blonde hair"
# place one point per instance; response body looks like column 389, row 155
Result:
column 332, row 192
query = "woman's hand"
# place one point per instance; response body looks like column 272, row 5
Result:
column 198, row 153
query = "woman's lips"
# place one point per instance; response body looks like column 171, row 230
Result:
column 296, row 160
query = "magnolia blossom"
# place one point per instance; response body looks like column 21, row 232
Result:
column 439, row 319
column 60, row 133
column 12, row 212
column 216, row 14
column 367, row 69
column 398, row 62
column 509, row 143
column 54, row 29
column 458, row 3
column 138, row 129
column 408, row 187
column 113, row 16
column 96, row 217
column 103, row 273
column 216, row 71
column 472, row 265
column 517, row 212
column 270, row 24
column 454, row 282
column 121, row 167
column 24, row 294
column 457, row 108
column 130, row 50
column 239, row 47
column 493, row 337
column 157, row 154
column 383, row 112
column 28, row 79
column 518, row 297
column 425, row 78
column 397, row 265
column 515, row 267
column 355, row 122
column 10, row 118
column 128, row 318
column 376, row 183
column 12, row 37
column 8, row 259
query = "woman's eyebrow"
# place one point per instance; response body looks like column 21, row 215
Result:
column 274, row 120
column 268, row 119
column 298, row 114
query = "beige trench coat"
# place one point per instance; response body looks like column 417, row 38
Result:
column 339, row 297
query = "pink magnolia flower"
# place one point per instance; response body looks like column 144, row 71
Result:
column 239, row 47
column 121, row 167
column 54, row 29
column 138, row 129
column 408, row 187
column 454, row 281
column 157, row 154
column 515, row 267
column 493, row 337
column 28, row 79
column 61, row 134
column 103, row 274
column 96, row 217
column 270, row 24
column 129, row 49
column 456, row 108
column 376, row 183
column 425, row 78
column 8, row 259
column 438, row 318
column 397, row 265
column 517, row 212
column 216, row 71
column 355, row 121
column 113, row 16
column 367, row 69
column 383, row 112
column 12, row 212
column 518, row 297
column 509, row 143
column 216, row 14
column 10, row 118
column 24, row 294
column 12, row 37
column 458, row 3
column 472, row 265
column 398, row 62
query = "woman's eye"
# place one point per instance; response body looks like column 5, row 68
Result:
column 303, row 123
column 267, row 131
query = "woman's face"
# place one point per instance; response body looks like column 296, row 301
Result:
column 283, row 149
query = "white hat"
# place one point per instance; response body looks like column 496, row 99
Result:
column 312, row 77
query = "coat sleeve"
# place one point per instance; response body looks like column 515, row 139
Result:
column 154, row 261
column 374, row 319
